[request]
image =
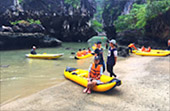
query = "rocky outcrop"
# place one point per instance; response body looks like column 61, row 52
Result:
column 113, row 9
column 67, row 21
column 159, row 27
column 9, row 41
column 123, row 51
column 137, row 37
column 28, row 28
column 110, row 32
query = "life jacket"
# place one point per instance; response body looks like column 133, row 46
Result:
column 84, row 52
column 79, row 53
column 132, row 46
column 95, row 72
column 146, row 50
column 89, row 51
column 143, row 48
column 149, row 49
column 169, row 42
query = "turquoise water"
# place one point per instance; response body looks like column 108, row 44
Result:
column 26, row 76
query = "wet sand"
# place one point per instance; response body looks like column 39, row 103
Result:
column 146, row 82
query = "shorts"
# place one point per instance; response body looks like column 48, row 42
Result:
column 98, row 81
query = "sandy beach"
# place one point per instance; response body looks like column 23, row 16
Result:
column 146, row 82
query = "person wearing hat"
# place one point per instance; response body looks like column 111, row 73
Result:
column 95, row 72
column 112, row 57
column 99, row 52
column 33, row 50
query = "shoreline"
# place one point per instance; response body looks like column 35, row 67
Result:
column 143, row 88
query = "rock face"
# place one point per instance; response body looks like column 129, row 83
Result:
column 28, row 28
column 113, row 9
column 137, row 37
column 9, row 41
column 67, row 21
column 110, row 32
column 159, row 27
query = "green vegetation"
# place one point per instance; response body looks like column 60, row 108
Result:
column 97, row 26
column 27, row 22
column 20, row 1
column 74, row 3
column 140, row 13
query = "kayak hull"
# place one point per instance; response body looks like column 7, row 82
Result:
column 44, row 56
column 80, row 77
column 153, row 53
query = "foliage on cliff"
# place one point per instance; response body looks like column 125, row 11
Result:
column 97, row 26
column 28, row 21
column 140, row 13
column 74, row 3
column 112, row 9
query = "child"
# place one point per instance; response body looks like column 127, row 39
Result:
column 95, row 72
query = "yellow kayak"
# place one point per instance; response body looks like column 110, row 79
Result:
column 152, row 50
column 44, row 56
column 94, row 48
column 153, row 53
column 80, row 76
column 84, row 57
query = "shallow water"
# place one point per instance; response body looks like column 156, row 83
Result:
column 25, row 76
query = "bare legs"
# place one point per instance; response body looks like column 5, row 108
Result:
column 90, row 85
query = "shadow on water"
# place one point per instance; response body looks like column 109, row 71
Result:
column 4, row 66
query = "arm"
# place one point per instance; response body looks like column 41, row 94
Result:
column 89, row 72
column 101, row 72
column 115, row 60
column 95, row 52
column 115, row 56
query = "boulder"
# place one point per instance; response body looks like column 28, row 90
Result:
column 123, row 51
column 10, row 41
column 17, row 28
column 28, row 28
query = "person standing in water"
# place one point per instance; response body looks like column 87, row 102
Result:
column 33, row 50
column 112, row 57
column 99, row 52
column 95, row 72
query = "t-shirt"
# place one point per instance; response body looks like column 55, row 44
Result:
column 99, row 53
column 112, row 53
column 33, row 51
